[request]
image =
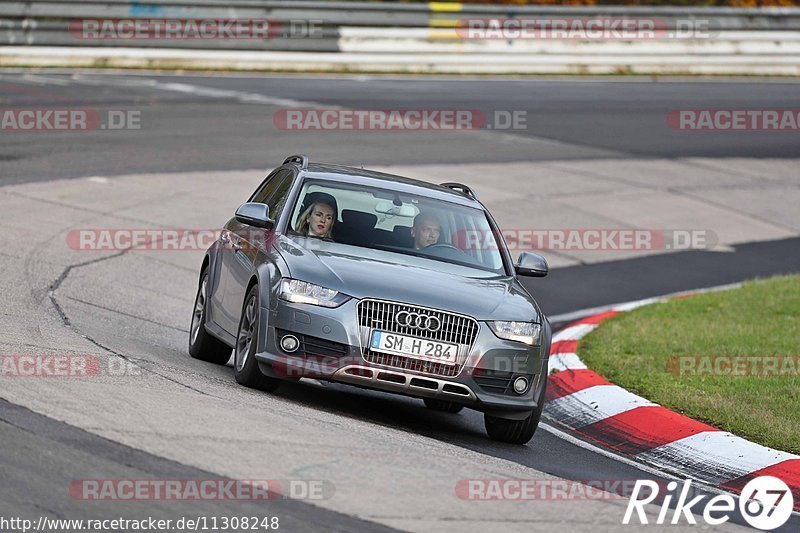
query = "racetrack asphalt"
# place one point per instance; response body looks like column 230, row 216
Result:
column 219, row 122
column 110, row 301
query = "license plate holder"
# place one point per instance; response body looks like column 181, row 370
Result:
column 413, row 347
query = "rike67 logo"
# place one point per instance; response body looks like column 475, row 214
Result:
column 765, row 503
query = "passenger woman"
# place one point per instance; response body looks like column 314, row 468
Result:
column 318, row 218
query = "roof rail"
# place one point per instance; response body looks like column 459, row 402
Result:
column 460, row 187
column 301, row 160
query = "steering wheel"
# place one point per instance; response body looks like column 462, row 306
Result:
column 443, row 245
column 445, row 251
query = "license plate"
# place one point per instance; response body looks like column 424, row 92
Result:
column 392, row 343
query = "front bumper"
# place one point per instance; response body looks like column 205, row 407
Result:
column 331, row 350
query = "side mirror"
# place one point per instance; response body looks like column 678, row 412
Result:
column 255, row 214
column 531, row 264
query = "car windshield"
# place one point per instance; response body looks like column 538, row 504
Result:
column 407, row 224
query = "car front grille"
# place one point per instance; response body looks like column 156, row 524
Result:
column 457, row 329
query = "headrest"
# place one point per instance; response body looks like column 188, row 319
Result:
column 402, row 236
column 402, row 231
column 359, row 219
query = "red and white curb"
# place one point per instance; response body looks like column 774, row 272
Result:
column 589, row 405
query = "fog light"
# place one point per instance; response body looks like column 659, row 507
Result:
column 520, row 385
column 289, row 343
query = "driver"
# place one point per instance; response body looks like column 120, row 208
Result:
column 425, row 231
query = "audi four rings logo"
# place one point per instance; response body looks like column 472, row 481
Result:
column 417, row 320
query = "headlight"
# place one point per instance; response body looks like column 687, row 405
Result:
column 527, row 332
column 303, row 292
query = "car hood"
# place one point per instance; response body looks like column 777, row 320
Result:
column 367, row 273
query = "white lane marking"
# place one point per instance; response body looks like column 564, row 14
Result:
column 97, row 179
column 44, row 80
column 565, row 361
column 630, row 306
column 581, row 313
column 596, row 403
column 243, row 97
column 198, row 90
column 573, row 333
column 105, row 79
column 720, row 456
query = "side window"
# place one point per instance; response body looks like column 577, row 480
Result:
column 267, row 187
column 276, row 202
column 274, row 191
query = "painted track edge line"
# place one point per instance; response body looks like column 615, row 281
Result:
column 581, row 313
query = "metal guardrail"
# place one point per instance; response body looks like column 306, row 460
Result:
column 47, row 22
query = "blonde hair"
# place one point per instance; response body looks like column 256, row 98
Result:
column 303, row 223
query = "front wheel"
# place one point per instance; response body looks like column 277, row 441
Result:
column 515, row 431
column 245, row 366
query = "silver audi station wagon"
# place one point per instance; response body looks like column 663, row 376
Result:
column 379, row 281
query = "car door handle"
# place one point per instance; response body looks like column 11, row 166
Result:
column 234, row 240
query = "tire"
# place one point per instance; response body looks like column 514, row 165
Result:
column 515, row 431
column 203, row 345
column 245, row 366
column 443, row 405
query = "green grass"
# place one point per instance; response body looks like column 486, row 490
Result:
column 762, row 318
